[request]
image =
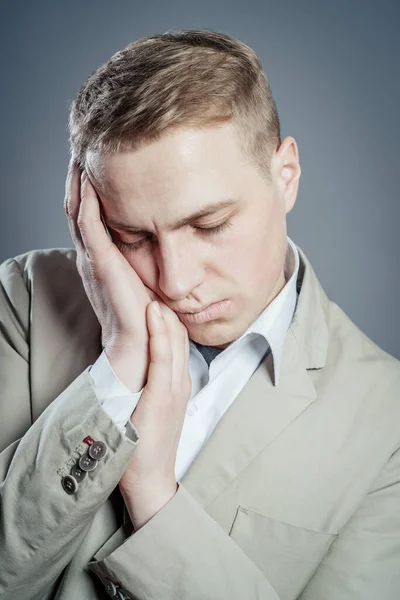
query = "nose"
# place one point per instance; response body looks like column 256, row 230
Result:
column 180, row 269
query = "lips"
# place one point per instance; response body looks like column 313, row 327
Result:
column 211, row 312
column 194, row 312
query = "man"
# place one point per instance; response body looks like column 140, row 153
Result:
column 185, row 414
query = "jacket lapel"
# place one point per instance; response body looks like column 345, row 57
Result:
column 261, row 410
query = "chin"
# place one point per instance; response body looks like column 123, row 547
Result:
column 216, row 335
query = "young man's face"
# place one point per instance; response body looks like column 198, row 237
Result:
column 192, row 266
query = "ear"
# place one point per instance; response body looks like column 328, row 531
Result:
column 286, row 171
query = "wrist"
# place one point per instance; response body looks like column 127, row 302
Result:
column 129, row 366
column 142, row 505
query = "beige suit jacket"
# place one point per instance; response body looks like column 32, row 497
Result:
column 295, row 495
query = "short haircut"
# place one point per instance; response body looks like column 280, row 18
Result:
column 180, row 78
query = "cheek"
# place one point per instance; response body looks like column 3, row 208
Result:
column 254, row 256
column 145, row 267
column 243, row 250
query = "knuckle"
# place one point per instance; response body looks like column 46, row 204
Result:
column 67, row 206
column 82, row 221
column 84, row 180
column 91, row 261
column 86, row 266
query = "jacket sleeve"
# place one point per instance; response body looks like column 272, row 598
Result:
column 42, row 524
column 180, row 553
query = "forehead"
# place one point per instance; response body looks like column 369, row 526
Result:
column 190, row 156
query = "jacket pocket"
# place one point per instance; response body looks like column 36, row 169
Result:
column 287, row 554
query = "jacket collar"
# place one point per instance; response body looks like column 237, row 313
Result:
column 310, row 320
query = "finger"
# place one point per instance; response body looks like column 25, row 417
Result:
column 160, row 366
column 177, row 343
column 179, row 340
column 91, row 227
column 72, row 201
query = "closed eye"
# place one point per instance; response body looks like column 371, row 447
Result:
column 216, row 229
column 203, row 231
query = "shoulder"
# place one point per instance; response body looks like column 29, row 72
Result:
column 50, row 272
column 43, row 286
column 47, row 261
column 362, row 379
column 346, row 339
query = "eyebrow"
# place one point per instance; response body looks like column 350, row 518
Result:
column 207, row 210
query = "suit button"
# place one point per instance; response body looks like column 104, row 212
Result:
column 110, row 588
column 123, row 595
column 69, row 484
column 97, row 450
column 78, row 473
column 87, row 463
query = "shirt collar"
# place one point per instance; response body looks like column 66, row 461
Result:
column 273, row 323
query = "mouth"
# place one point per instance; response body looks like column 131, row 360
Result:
column 209, row 313
column 194, row 312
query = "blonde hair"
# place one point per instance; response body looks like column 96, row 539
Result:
column 180, row 78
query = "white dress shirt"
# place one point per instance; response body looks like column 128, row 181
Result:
column 214, row 386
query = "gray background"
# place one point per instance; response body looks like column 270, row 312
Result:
column 333, row 67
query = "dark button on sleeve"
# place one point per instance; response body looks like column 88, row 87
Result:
column 110, row 588
column 123, row 595
column 69, row 484
column 87, row 463
column 78, row 473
